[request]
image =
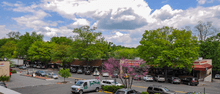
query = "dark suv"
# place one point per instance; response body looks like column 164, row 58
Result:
column 159, row 89
column 190, row 81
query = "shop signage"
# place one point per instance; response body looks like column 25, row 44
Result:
column 2, row 64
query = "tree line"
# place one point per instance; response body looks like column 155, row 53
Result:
column 162, row 47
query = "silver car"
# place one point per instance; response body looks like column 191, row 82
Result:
column 217, row 76
column 160, row 78
column 52, row 75
column 127, row 91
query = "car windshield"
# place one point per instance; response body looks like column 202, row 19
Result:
column 54, row 74
column 120, row 92
column 114, row 82
column 78, row 83
column 175, row 78
column 149, row 76
column 166, row 89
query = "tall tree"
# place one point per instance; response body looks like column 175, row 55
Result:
column 40, row 50
column 62, row 40
column 88, row 45
column 169, row 47
column 9, row 49
column 128, row 53
column 25, row 41
column 60, row 52
column 14, row 35
column 205, row 30
column 209, row 49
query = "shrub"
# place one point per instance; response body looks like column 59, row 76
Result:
column 4, row 78
column 145, row 93
column 13, row 71
column 111, row 88
column 105, row 88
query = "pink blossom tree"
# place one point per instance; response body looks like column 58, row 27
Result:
column 127, row 71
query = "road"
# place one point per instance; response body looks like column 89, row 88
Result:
column 210, row 88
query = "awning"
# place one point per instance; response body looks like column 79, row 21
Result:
column 202, row 67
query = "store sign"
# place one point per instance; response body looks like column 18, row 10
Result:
column 2, row 64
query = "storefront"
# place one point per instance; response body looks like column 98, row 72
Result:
column 4, row 68
column 203, row 69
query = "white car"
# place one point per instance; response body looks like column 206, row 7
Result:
column 52, row 75
column 105, row 74
column 148, row 78
column 109, row 83
column 96, row 73
column 217, row 76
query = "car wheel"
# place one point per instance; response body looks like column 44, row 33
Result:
column 172, row 82
column 97, row 89
column 80, row 92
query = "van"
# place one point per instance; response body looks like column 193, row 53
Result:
column 85, row 86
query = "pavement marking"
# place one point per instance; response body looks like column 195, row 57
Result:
column 181, row 91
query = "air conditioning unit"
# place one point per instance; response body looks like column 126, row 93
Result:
column 200, row 58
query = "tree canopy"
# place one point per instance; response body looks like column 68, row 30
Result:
column 40, row 50
column 169, row 47
column 25, row 41
column 88, row 45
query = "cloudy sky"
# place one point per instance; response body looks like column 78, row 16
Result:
column 121, row 21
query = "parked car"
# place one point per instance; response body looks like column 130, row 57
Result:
column 148, row 78
column 160, row 78
column 40, row 73
column 38, row 67
column 22, row 67
column 193, row 93
column 73, row 70
column 52, row 75
column 190, row 81
column 137, row 77
column 96, row 73
column 34, row 66
column 115, row 75
column 109, row 83
column 217, row 76
column 79, row 71
column 159, row 89
column 88, row 72
column 127, row 91
column 105, row 74
column 43, row 67
column 3, row 84
column 174, row 80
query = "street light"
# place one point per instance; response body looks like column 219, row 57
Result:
column 5, row 59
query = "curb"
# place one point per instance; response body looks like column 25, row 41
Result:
column 36, row 77
column 108, row 92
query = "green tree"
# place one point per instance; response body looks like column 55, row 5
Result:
column 65, row 73
column 9, row 49
column 129, row 53
column 26, row 40
column 40, row 50
column 60, row 52
column 62, row 40
column 14, row 36
column 209, row 49
column 169, row 47
column 88, row 45
column 2, row 42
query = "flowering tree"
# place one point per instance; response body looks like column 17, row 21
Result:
column 128, row 70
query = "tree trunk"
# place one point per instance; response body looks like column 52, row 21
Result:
column 125, row 83
column 128, row 82
column 122, row 81
column 166, row 74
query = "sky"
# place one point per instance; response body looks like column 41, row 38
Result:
column 121, row 21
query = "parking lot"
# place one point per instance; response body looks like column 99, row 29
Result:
column 28, row 84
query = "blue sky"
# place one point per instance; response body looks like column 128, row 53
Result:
column 121, row 21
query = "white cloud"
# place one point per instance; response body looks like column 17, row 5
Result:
column 204, row 1
column 111, row 14
column 4, row 31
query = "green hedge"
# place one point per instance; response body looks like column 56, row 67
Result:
column 111, row 88
column 144, row 93
column 13, row 71
column 4, row 78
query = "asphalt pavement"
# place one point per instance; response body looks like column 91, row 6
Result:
column 210, row 88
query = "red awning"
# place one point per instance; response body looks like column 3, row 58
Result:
column 202, row 67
